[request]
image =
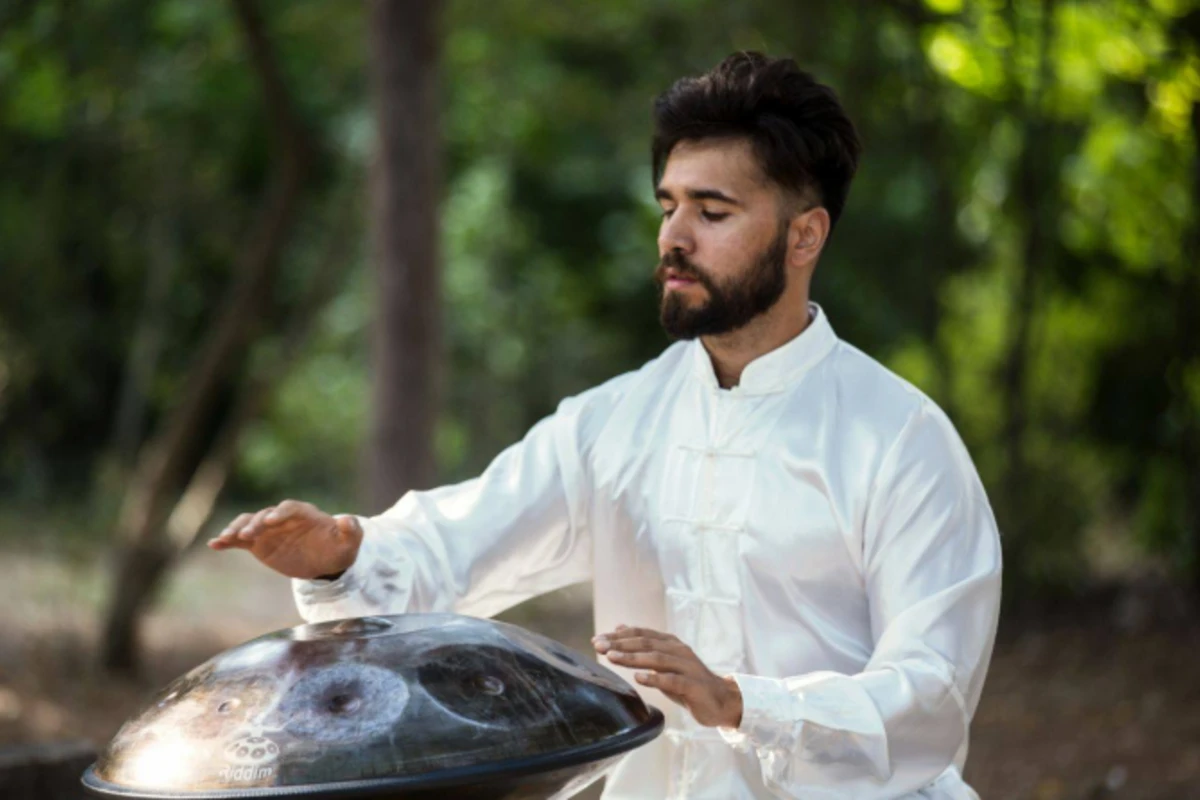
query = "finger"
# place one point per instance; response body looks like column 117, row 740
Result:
column 635, row 644
column 234, row 542
column 227, row 543
column 255, row 526
column 658, row 661
column 286, row 524
column 642, row 644
column 236, row 525
column 632, row 639
column 605, row 641
column 675, row 687
column 228, row 536
column 290, row 509
column 293, row 516
column 624, row 632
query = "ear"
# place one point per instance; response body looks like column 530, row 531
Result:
column 807, row 233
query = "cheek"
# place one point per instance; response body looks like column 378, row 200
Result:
column 726, row 252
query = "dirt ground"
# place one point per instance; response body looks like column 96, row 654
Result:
column 1077, row 707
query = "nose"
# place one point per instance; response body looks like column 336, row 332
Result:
column 675, row 234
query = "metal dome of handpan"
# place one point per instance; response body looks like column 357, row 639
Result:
column 412, row 706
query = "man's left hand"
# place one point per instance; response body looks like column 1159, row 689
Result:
column 675, row 671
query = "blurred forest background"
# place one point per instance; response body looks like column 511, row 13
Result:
column 216, row 291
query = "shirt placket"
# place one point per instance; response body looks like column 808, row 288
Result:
column 719, row 522
column 707, row 614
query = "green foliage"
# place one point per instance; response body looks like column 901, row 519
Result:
column 1054, row 139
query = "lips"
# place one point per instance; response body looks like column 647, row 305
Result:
column 675, row 279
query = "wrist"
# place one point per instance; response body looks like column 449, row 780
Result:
column 733, row 704
column 349, row 531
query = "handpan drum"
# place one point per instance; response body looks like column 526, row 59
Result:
column 411, row 706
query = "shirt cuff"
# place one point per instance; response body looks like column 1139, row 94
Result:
column 762, row 700
column 827, row 715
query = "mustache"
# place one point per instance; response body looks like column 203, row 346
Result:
column 675, row 261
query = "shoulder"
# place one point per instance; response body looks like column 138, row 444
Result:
column 589, row 411
column 615, row 389
column 870, row 393
column 902, row 418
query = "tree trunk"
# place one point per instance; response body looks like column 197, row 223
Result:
column 1035, row 195
column 167, row 462
column 196, row 503
column 405, row 180
column 1189, row 356
column 149, row 334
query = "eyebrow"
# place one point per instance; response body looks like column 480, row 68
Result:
column 698, row 194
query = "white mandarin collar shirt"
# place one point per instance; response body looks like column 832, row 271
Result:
column 778, row 369
column 817, row 532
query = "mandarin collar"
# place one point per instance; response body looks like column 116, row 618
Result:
column 783, row 366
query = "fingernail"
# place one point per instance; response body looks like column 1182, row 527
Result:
column 601, row 641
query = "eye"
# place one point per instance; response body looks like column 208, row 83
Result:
column 667, row 212
column 714, row 216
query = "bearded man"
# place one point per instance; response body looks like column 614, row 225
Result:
column 790, row 548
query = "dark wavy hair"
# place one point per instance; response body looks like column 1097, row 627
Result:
column 799, row 132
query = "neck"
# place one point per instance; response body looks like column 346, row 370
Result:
column 731, row 352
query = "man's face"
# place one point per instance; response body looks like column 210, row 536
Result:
column 722, row 244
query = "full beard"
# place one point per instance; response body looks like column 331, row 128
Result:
column 730, row 305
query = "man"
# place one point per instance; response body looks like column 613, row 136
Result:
column 791, row 551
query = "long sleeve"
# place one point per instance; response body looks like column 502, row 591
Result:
column 477, row 547
column 931, row 569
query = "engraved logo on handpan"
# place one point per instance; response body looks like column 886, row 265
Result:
column 250, row 758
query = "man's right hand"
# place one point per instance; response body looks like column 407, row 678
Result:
column 296, row 539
